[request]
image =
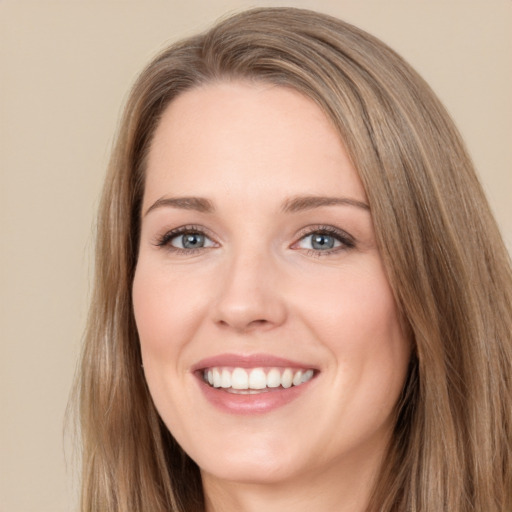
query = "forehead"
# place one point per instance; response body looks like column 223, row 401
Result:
column 231, row 136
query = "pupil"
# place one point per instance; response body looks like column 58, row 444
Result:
column 193, row 240
column 322, row 242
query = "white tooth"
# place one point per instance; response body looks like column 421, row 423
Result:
column 225, row 379
column 239, row 379
column 306, row 376
column 257, row 379
column 216, row 378
column 210, row 377
column 297, row 378
column 286, row 378
column 273, row 378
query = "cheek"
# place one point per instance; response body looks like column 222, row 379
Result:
column 351, row 303
column 152, row 310
column 357, row 322
column 166, row 309
column 164, row 315
column 356, row 318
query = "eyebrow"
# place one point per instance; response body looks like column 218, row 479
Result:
column 198, row 204
column 292, row 205
column 301, row 203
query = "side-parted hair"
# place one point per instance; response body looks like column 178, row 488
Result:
column 446, row 263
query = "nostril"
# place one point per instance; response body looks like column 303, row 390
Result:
column 253, row 324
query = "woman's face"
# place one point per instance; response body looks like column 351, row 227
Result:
column 258, row 270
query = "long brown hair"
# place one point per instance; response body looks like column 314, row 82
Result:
column 445, row 260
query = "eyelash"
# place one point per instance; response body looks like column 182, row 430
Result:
column 346, row 241
column 164, row 240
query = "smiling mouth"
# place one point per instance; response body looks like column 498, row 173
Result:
column 256, row 380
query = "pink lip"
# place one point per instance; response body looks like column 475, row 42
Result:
column 248, row 361
column 244, row 403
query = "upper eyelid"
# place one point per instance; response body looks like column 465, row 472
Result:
column 328, row 229
column 168, row 234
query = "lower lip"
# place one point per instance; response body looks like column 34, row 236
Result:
column 258, row 403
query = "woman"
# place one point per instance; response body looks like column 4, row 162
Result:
column 301, row 298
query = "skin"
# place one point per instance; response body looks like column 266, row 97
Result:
column 259, row 286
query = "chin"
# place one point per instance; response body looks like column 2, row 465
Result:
column 250, row 472
column 256, row 464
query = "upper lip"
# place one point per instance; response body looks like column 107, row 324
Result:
column 249, row 361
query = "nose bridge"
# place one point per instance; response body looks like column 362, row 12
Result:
column 249, row 295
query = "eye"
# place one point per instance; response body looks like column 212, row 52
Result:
column 326, row 239
column 185, row 240
column 190, row 241
column 319, row 242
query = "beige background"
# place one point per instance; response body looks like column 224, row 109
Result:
column 65, row 67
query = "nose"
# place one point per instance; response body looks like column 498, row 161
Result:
column 249, row 297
